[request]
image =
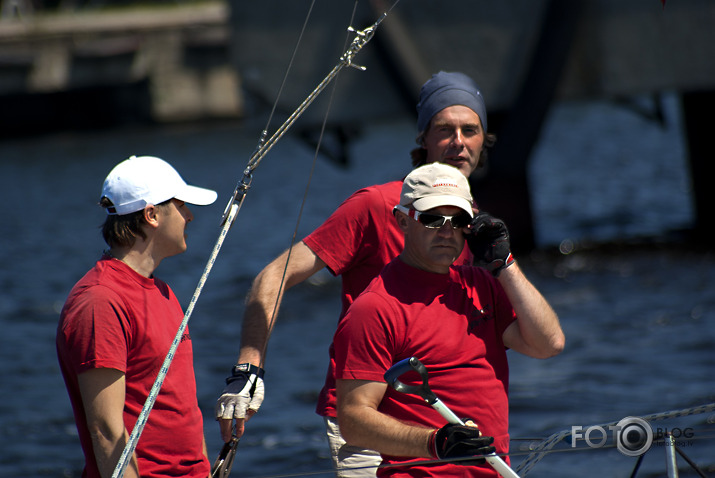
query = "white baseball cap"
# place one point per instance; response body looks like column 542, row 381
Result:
column 434, row 185
column 139, row 181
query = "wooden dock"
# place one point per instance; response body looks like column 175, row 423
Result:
column 196, row 61
column 181, row 52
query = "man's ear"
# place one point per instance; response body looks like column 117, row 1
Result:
column 402, row 220
column 150, row 215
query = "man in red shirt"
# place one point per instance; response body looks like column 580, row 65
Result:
column 119, row 322
column 355, row 242
column 457, row 320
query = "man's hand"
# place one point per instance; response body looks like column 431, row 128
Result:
column 457, row 441
column 241, row 399
column 489, row 243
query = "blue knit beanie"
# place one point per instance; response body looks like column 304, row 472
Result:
column 448, row 89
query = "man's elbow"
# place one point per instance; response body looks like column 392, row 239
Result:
column 104, row 435
column 554, row 346
column 348, row 431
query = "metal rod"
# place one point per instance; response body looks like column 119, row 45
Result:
column 392, row 377
column 670, row 463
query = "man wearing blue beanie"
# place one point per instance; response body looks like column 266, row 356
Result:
column 355, row 243
column 447, row 89
column 453, row 102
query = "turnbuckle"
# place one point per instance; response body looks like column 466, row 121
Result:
column 361, row 38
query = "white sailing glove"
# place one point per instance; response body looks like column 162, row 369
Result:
column 243, row 391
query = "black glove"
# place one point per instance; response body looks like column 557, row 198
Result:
column 489, row 243
column 456, row 441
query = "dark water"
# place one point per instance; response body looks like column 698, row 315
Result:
column 640, row 321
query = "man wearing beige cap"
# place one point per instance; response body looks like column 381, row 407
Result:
column 119, row 322
column 457, row 320
column 354, row 243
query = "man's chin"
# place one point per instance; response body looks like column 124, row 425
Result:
column 445, row 256
column 460, row 164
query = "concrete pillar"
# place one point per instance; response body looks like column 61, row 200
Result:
column 51, row 68
column 504, row 190
column 180, row 93
column 698, row 107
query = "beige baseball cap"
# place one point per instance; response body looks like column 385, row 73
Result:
column 434, row 185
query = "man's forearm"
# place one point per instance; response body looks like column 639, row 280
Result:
column 262, row 305
column 256, row 329
column 368, row 428
column 362, row 425
column 264, row 299
column 539, row 328
column 108, row 450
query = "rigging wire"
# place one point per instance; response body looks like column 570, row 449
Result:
column 312, row 170
column 545, row 446
column 229, row 216
column 366, row 34
column 709, row 434
column 281, row 286
column 262, row 144
column 264, row 133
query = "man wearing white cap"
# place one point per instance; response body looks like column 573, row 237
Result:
column 457, row 320
column 119, row 322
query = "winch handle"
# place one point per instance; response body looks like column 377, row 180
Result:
column 392, row 377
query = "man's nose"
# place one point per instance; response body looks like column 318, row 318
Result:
column 457, row 138
column 446, row 229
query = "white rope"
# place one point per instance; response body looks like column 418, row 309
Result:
column 232, row 209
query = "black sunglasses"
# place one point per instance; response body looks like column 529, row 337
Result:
column 435, row 221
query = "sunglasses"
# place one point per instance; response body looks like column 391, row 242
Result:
column 435, row 221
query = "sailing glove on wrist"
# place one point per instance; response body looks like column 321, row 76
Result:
column 243, row 391
column 489, row 243
column 457, row 441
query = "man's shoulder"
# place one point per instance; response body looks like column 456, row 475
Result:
column 92, row 294
column 385, row 285
column 91, row 278
column 370, row 200
column 473, row 276
column 389, row 189
column 375, row 301
column 99, row 285
column 376, row 198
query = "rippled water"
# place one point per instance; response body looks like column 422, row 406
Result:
column 640, row 321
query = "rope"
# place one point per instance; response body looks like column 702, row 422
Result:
column 229, row 216
column 546, row 445
column 553, row 440
column 288, row 68
column 350, row 53
column 331, row 471
column 274, row 312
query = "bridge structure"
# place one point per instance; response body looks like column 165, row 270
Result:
column 193, row 61
column 524, row 54
column 164, row 63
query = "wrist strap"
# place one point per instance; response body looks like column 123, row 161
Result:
column 246, row 368
column 507, row 262
column 432, row 445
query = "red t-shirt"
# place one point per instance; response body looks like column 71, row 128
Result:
column 116, row 318
column 453, row 323
column 356, row 242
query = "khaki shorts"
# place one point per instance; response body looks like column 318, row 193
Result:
column 349, row 461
